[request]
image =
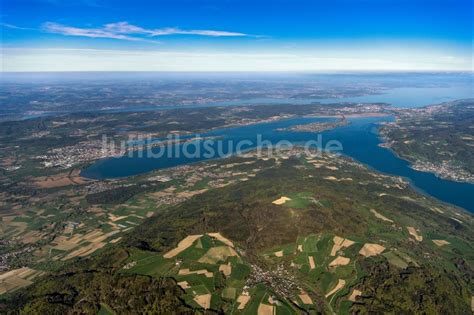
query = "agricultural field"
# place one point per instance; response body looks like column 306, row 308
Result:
column 91, row 215
column 207, row 267
column 214, row 276
column 291, row 234
column 17, row 278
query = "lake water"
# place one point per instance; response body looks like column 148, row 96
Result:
column 407, row 97
column 413, row 97
column 359, row 140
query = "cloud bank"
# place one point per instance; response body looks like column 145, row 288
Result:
column 127, row 31
column 20, row 59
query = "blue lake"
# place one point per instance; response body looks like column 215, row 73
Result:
column 406, row 97
column 359, row 140
column 412, row 97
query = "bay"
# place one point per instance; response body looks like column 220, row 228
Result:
column 360, row 140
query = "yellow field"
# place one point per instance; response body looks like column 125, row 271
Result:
column 305, row 298
column 281, row 200
column 355, row 293
column 413, row 232
column 265, row 309
column 226, row 269
column 184, row 244
column 17, row 278
column 243, row 300
column 279, row 253
column 340, row 261
column 184, row 285
column 84, row 251
column 340, row 284
column 441, row 242
column 186, row 271
column 115, row 240
column 219, row 237
column 340, row 243
column 371, row 250
column 203, row 300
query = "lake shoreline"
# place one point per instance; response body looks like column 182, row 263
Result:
column 361, row 141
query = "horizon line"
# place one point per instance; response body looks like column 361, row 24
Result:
column 253, row 71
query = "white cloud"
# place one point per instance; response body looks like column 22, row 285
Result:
column 124, row 27
column 198, row 32
column 84, row 32
column 127, row 31
column 15, row 59
column 15, row 27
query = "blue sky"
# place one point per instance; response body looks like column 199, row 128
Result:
column 278, row 35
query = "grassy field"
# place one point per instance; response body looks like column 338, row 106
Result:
column 315, row 243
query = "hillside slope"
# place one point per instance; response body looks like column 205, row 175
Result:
column 305, row 234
